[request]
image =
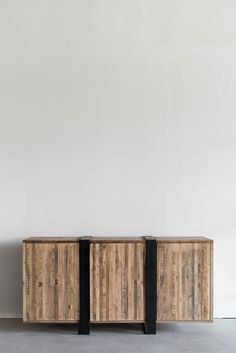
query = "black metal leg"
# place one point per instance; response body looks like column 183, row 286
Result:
column 151, row 285
column 84, row 324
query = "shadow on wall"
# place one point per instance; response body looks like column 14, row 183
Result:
column 11, row 279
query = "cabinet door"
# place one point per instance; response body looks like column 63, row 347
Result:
column 51, row 282
column 184, row 281
column 117, row 282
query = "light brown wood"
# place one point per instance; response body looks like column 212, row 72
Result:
column 51, row 240
column 117, row 281
column 116, row 239
column 50, row 281
column 184, row 281
column 198, row 239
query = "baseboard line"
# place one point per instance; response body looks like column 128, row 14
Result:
column 19, row 316
column 11, row 315
column 225, row 318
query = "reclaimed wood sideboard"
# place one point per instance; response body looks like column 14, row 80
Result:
column 120, row 283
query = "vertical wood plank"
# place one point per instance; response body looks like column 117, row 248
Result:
column 130, row 278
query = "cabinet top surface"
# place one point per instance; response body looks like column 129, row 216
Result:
column 177, row 239
column 51, row 240
column 182, row 239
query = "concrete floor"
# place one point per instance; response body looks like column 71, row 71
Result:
column 219, row 337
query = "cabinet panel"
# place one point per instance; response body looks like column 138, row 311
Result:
column 51, row 281
column 184, row 281
column 117, row 281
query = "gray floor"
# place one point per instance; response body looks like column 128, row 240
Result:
column 219, row 337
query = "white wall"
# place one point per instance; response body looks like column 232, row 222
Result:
column 117, row 118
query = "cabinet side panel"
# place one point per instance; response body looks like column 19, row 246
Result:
column 206, row 282
column 27, row 285
column 117, row 282
column 184, row 284
column 23, row 281
column 212, row 281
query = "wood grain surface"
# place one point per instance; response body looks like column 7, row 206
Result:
column 117, row 281
column 184, row 281
column 51, row 240
column 51, row 282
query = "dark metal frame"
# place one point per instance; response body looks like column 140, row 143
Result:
column 151, row 285
column 84, row 250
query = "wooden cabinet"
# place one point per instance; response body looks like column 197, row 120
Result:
column 51, row 280
column 117, row 284
column 184, row 279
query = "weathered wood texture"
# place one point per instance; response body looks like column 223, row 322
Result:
column 51, row 240
column 180, row 239
column 117, row 281
column 51, row 281
column 184, row 281
column 116, row 239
